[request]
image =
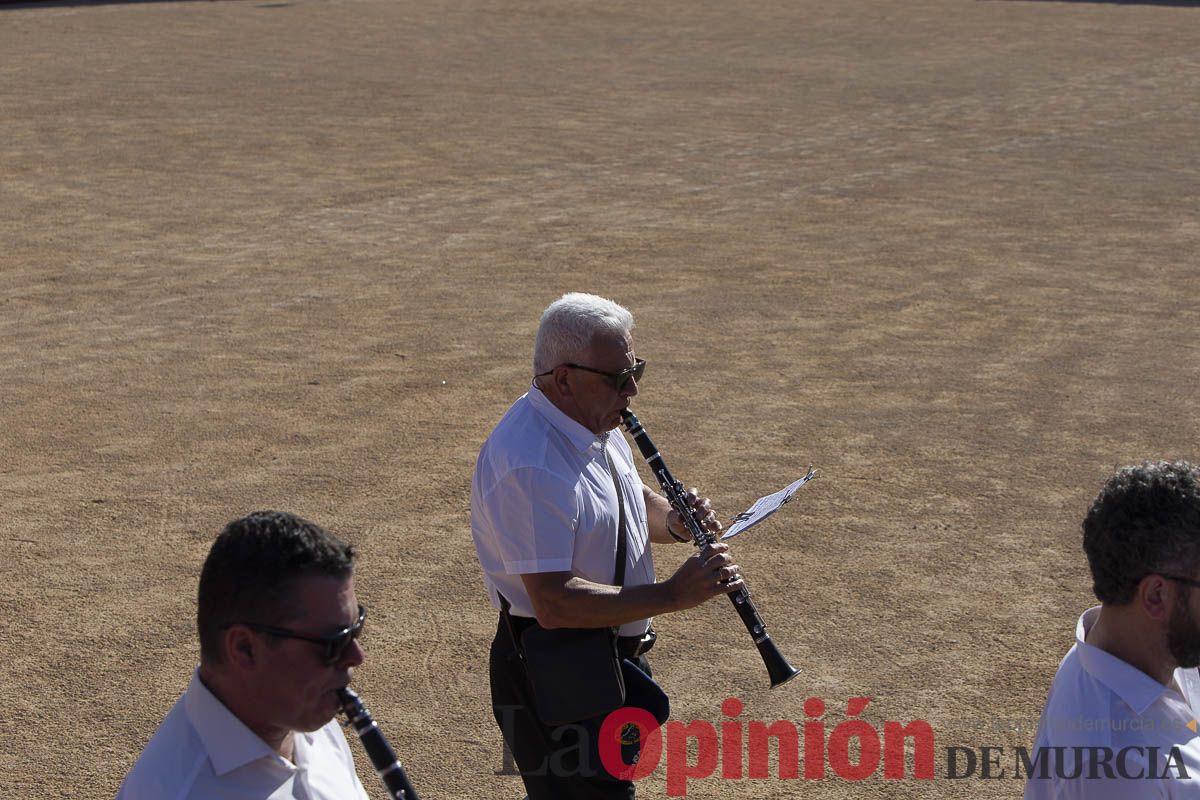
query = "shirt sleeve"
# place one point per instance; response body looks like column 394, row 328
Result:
column 342, row 749
column 534, row 516
column 362, row 792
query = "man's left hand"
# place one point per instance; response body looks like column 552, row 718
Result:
column 702, row 510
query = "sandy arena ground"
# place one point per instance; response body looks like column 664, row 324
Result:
column 292, row 254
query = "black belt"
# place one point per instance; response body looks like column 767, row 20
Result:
column 627, row 646
column 634, row 646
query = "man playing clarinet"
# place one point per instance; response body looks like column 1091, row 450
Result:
column 562, row 525
column 279, row 623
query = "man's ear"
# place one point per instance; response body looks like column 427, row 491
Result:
column 240, row 647
column 1156, row 597
column 558, row 382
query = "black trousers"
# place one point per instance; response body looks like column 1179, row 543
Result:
column 557, row 763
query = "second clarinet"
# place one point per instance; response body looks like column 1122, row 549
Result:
column 778, row 668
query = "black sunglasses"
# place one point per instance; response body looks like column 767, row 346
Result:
column 617, row 380
column 335, row 646
column 1177, row 579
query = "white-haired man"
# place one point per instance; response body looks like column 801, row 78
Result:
column 555, row 500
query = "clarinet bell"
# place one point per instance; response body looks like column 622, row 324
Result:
column 778, row 668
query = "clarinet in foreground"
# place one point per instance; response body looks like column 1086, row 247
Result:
column 383, row 757
column 778, row 668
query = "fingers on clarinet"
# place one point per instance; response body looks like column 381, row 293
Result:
column 725, row 570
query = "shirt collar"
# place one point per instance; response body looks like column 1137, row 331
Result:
column 580, row 437
column 226, row 739
column 1137, row 689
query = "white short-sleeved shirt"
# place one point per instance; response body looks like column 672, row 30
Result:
column 543, row 500
column 201, row 751
column 1099, row 701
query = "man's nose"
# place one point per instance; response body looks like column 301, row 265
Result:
column 354, row 655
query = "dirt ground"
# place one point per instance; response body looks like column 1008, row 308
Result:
column 292, row 255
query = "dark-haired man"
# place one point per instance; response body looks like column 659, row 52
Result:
column 1121, row 718
column 278, row 622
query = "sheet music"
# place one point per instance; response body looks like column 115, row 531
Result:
column 765, row 506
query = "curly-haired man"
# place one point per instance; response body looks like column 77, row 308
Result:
column 1121, row 717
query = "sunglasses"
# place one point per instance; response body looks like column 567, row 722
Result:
column 335, row 645
column 1184, row 581
column 617, row 380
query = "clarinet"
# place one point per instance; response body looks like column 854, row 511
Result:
column 778, row 668
column 383, row 757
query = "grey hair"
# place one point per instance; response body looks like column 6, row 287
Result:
column 569, row 324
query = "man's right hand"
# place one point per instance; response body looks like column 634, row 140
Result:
column 706, row 574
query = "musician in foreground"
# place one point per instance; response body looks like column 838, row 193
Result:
column 562, row 525
column 279, row 623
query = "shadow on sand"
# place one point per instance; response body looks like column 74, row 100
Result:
column 11, row 5
column 1168, row 3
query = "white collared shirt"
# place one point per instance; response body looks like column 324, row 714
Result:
column 1099, row 701
column 201, row 751
column 543, row 500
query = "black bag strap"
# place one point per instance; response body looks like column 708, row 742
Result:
column 508, row 623
column 619, row 569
